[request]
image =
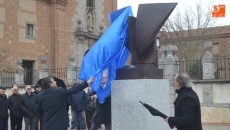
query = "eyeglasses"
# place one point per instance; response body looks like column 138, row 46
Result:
column 28, row 88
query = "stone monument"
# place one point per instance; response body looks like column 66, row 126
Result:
column 19, row 75
column 142, row 81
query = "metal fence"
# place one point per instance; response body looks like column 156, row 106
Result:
column 192, row 67
column 7, row 78
column 195, row 68
column 31, row 77
column 222, row 68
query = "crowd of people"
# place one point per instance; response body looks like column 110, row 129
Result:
column 47, row 106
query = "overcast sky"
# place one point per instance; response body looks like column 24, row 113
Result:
column 134, row 4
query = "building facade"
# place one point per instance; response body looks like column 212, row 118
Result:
column 55, row 29
column 186, row 40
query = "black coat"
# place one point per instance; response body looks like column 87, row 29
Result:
column 52, row 103
column 187, row 110
column 78, row 101
column 3, row 107
column 102, row 113
column 13, row 104
column 27, row 104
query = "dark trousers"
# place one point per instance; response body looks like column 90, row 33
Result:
column 96, row 126
column 29, row 123
column 89, row 116
column 80, row 119
column 16, row 123
column 3, row 123
column 39, row 118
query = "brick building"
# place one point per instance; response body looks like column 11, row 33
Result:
column 55, row 29
column 192, row 43
column 219, row 36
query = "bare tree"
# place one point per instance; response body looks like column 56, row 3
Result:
column 189, row 28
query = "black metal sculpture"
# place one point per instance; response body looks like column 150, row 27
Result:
column 142, row 32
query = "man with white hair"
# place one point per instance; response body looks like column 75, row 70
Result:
column 16, row 116
column 187, row 105
column 27, row 104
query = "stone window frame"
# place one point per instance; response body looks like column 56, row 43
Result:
column 216, row 43
column 90, row 6
column 32, row 37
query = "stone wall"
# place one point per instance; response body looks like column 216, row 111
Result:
column 215, row 100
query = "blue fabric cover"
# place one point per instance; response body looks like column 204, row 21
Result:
column 109, row 52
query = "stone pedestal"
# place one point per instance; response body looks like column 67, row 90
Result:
column 208, row 62
column 144, row 72
column 43, row 70
column 19, row 75
column 71, row 71
column 129, row 114
column 43, row 74
column 19, row 78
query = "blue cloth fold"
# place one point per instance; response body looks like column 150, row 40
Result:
column 109, row 52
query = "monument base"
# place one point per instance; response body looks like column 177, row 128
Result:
column 142, row 72
column 129, row 114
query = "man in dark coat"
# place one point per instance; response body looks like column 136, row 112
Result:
column 16, row 115
column 90, row 107
column 39, row 117
column 3, row 109
column 102, row 113
column 78, row 104
column 27, row 104
column 187, row 105
column 52, row 102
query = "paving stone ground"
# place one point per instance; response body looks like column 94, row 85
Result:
column 205, row 127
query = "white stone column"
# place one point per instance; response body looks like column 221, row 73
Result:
column 71, row 71
column 208, row 62
column 43, row 70
column 176, row 59
column 170, row 71
column 19, row 75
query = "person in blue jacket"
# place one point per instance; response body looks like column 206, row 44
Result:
column 78, row 105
